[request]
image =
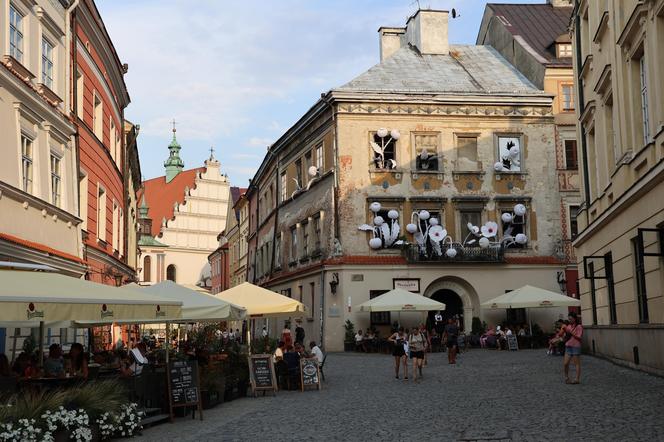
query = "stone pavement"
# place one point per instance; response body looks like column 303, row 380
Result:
column 488, row 396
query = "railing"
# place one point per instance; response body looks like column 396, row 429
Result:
column 413, row 254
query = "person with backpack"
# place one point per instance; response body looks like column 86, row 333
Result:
column 398, row 338
column 417, row 344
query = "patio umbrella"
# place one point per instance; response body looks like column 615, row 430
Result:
column 398, row 300
column 260, row 302
column 531, row 297
column 34, row 297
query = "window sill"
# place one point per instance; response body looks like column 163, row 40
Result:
column 457, row 173
column 304, row 259
column 398, row 173
column 18, row 67
column 292, row 263
column 520, row 175
column 316, row 254
column 415, row 174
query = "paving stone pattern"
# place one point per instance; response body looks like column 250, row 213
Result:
column 487, row 396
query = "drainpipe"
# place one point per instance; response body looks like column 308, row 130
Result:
column 579, row 82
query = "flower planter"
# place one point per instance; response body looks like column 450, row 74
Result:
column 349, row 346
column 210, row 399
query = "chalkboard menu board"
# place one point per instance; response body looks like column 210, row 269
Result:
column 309, row 373
column 261, row 372
column 512, row 343
column 183, row 385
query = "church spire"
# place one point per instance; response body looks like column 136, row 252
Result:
column 174, row 163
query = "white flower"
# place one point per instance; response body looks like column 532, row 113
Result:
column 473, row 229
column 437, row 233
column 490, row 229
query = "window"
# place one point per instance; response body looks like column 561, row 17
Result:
column 571, row 162
column 307, row 164
column 15, row 34
column 147, row 270
column 567, row 97
column 83, row 201
column 277, row 251
column 56, row 178
column 466, row 217
column 118, row 150
column 644, row 99
column 101, row 214
column 112, row 139
column 298, row 173
column 593, row 294
column 80, row 89
column 564, row 50
column 26, row 160
column 426, row 152
column 320, row 159
column 47, row 63
column 510, row 153
column 305, row 239
column 517, row 226
column 378, row 318
column 312, row 286
column 284, row 187
column 299, row 289
column 384, row 151
column 467, row 153
column 573, row 224
column 610, row 285
column 170, row 273
column 293, row 244
column 97, row 118
column 115, row 221
column 317, row 233
column 640, row 278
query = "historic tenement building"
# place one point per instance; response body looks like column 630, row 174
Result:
column 181, row 215
column 225, row 260
column 99, row 97
column 619, row 74
column 535, row 39
column 431, row 172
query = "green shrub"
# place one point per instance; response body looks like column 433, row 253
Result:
column 478, row 327
column 350, row 331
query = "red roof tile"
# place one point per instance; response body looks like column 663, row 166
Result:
column 40, row 247
column 539, row 25
column 160, row 196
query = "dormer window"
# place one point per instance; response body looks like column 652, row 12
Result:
column 564, row 50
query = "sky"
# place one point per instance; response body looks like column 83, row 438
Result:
column 235, row 75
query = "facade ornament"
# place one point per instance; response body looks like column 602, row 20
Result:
column 337, row 248
column 385, row 233
column 509, row 161
column 386, row 138
column 314, row 175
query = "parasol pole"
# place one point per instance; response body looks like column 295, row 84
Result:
column 530, row 321
column 167, row 341
column 41, row 343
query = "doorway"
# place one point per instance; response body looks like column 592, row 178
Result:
column 453, row 307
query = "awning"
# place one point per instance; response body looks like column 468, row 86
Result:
column 531, row 297
column 400, row 300
column 261, row 302
column 34, row 297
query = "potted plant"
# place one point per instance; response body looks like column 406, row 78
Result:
column 478, row 328
column 349, row 336
column 213, row 387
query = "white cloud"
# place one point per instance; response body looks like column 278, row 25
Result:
column 259, row 142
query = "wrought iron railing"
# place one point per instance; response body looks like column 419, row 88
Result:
column 414, row 254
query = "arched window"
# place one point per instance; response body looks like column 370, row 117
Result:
column 170, row 273
column 147, row 269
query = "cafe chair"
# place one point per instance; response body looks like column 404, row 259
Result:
column 320, row 368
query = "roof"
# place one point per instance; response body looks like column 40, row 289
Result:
column 468, row 69
column 236, row 193
column 40, row 247
column 538, row 24
column 150, row 241
column 161, row 196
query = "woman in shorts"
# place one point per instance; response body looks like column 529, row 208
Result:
column 573, row 335
column 399, row 339
column 417, row 344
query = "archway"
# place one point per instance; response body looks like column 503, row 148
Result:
column 459, row 296
column 453, row 307
column 170, row 273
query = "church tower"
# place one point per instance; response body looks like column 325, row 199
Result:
column 174, row 163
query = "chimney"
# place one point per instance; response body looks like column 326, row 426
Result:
column 427, row 30
column 390, row 40
column 560, row 3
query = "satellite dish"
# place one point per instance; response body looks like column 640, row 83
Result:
column 454, row 13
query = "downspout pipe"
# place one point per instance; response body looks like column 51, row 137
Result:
column 579, row 82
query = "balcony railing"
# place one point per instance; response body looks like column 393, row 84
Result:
column 413, row 254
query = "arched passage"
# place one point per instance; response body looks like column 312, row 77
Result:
column 453, row 306
column 452, row 291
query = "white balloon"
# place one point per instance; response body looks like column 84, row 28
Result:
column 506, row 217
column 411, row 228
column 423, row 215
column 433, row 221
column 313, row 171
column 521, row 238
column 393, row 214
column 374, row 207
column 379, row 220
column 520, row 210
column 375, row 243
column 514, row 152
column 484, row 242
column 451, row 253
column 498, row 167
column 382, row 132
column 395, row 134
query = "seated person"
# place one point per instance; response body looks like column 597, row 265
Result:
column 79, row 361
column 54, row 366
column 359, row 341
column 5, row 371
column 279, row 352
column 132, row 363
column 299, row 349
column 501, row 338
column 316, row 352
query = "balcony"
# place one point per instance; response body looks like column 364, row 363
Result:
column 413, row 255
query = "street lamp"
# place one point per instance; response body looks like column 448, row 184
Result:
column 334, row 283
column 562, row 282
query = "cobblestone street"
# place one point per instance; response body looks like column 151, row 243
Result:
column 488, row 395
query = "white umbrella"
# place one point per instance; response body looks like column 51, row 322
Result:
column 399, row 300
